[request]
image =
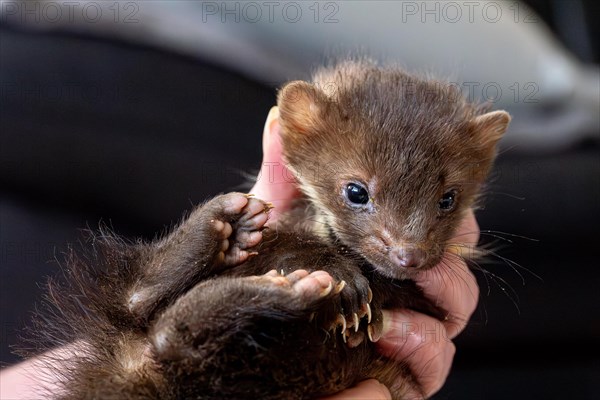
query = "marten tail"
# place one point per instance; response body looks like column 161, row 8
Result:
column 89, row 345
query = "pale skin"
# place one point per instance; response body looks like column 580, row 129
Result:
column 407, row 335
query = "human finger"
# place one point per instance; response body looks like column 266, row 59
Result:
column 422, row 342
column 369, row 389
column 451, row 284
column 275, row 183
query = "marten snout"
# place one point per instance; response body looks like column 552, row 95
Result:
column 407, row 256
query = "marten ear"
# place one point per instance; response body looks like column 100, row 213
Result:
column 489, row 128
column 300, row 105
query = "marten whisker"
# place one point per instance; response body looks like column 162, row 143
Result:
column 513, row 264
column 513, row 196
column 502, row 284
column 510, row 234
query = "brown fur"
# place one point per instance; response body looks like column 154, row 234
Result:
column 181, row 318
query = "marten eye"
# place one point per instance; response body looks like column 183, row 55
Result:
column 357, row 194
column 448, row 201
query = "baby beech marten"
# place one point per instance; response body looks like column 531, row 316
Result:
column 222, row 308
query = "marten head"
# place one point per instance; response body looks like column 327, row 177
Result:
column 390, row 161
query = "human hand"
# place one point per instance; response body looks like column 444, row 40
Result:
column 421, row 341
column 424, row 342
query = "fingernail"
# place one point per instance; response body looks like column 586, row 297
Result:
column 273, row 115
column 396, row 319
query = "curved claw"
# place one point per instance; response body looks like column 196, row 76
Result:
column 356, row 322
column 369, row 295
column 327, row 290
column 340, row 320
column 368, row 313
column 373, row 336
column 339, row 287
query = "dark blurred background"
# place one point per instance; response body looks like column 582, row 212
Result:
column 131, row 117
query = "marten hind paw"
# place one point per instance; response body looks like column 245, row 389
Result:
column 357, row 319
column 241, row 228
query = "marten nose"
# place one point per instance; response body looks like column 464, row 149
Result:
column 407, row 257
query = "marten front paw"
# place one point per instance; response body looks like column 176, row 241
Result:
column 239, row 227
